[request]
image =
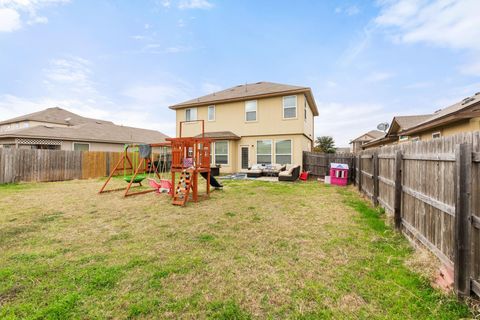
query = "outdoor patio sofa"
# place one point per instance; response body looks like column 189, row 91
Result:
column 291, row 173
column 271, row 170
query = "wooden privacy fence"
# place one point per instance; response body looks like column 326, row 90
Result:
column 318, row 164
column 433, row 191
column 55, row 165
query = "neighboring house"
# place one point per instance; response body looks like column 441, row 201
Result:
column 357, row 143
column 394, row 134
column 56, row 128
column 258, row 123
column 463, row 116
column 342, row 150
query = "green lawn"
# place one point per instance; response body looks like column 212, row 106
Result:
column 254, row 250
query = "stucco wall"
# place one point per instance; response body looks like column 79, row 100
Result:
column 463, row 126
column 94, row 146
column 299, row 144
column 231, row 117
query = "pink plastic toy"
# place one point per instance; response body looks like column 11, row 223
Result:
column 339, row 174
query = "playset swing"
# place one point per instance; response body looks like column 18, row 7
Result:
column 137, row 166
column 163, row 185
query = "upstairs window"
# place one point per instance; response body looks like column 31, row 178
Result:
column 251, row 110
column 289, row 107
column 436, row 135
column 211, row 113
column 191, row 114
column 305, row 108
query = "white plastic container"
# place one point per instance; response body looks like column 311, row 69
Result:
column 327, row 179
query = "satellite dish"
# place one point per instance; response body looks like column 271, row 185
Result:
column 383, row 126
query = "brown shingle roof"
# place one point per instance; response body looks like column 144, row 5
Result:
column 54, row 115
column 92, row 131
column 443, row 113
column 373, row 134
column 249, row 91
column 220, row 135
column 406, row 122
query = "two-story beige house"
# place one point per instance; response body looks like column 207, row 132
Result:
column 257, row 123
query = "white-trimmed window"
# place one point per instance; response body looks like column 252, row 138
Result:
column 402, row 138
column 289, row 107
column 191, row 114
column 81, row 146
column 211, row 113
column 251, row 110
column 264, row 151
column 221, row 152
column 436, row 135
column 415, row 139
column 305, row 108
column 283, row 151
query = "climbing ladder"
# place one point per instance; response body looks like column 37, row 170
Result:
column 183, row 188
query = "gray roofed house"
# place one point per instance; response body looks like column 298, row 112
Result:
column 56, row 128
column 399, row 123
column 357, row 143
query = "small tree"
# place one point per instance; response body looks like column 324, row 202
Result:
column 325, row 144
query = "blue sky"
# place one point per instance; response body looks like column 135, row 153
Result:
column 126, row 61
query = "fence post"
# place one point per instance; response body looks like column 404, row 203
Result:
column 397, row 207
column 375, row 178
column 360, row 172
column 463, row 185
column 353, row 170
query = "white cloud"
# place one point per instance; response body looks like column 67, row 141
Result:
column 445, row 23
column 158, row 95
column 9, row 20
column 156, row 48
column 12, row 12
column 177, row 49
column 357, row 47
column 350, row 10
column 378, row 76
column 195, row 4
column 346, row 121
column 166, row 3
column 71, row 75
column 208, row 87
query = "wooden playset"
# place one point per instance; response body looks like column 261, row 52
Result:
column 190, row 156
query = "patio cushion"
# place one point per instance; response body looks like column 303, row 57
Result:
column 285, row 173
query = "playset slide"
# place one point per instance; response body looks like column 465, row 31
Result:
column 213, row 182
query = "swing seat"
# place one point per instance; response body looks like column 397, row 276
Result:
column 139, row 178
column 163, row 184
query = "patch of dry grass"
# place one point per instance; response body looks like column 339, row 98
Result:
column 254, row 250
